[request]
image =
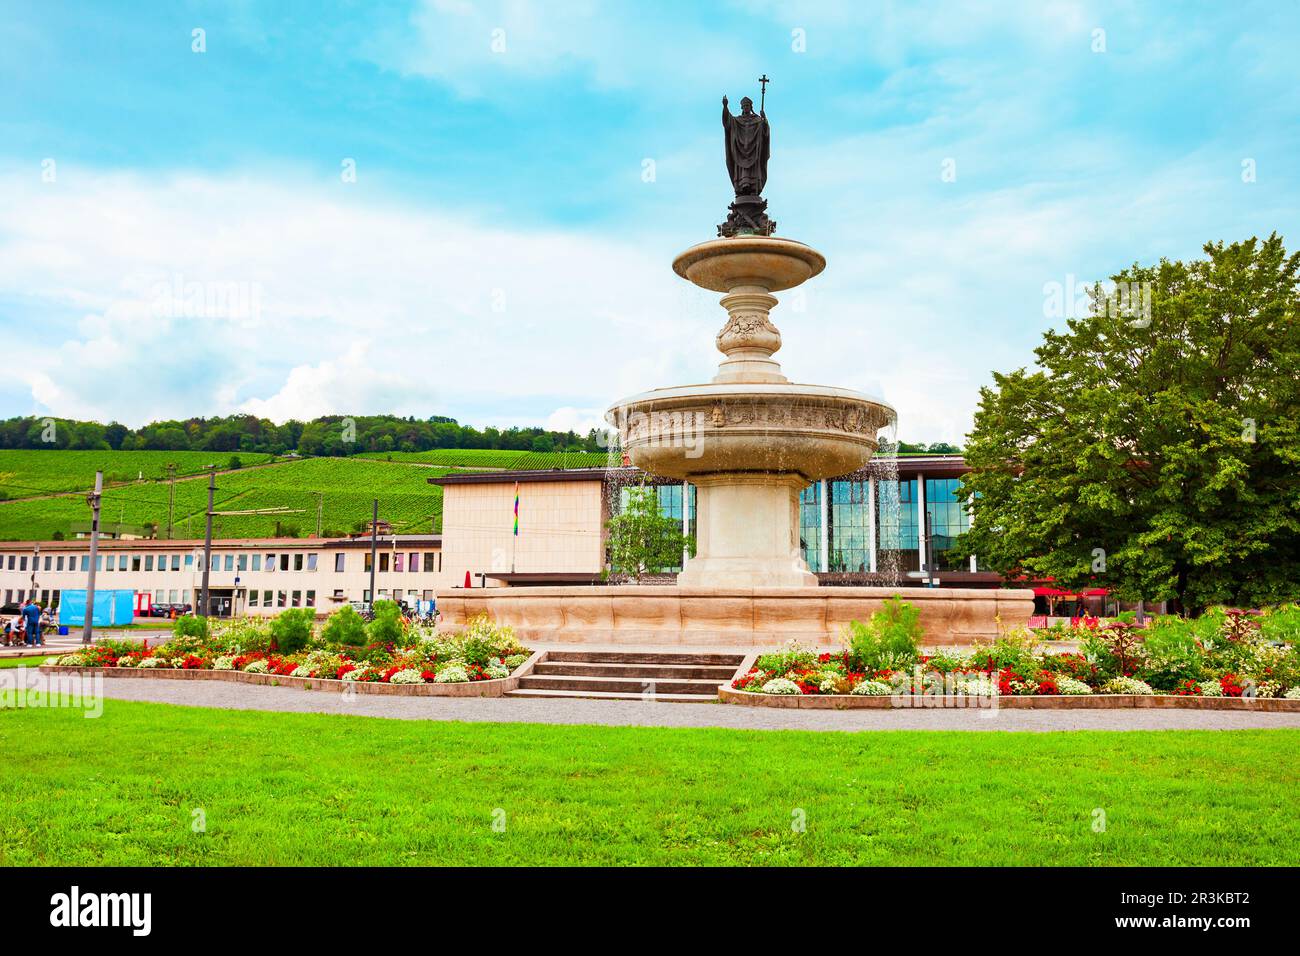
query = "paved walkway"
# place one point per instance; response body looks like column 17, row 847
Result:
column 639, row 713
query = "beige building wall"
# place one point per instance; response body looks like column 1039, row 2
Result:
column 560, row 529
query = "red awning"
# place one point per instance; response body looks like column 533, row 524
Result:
column 1052, row 592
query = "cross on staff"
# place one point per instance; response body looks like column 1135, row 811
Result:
column 762, row 96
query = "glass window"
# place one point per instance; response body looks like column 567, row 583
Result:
column 230, row 562
column 148, row 562
column 85, row 562
column 311, row 561
column 266, row 599
column 135, row 562
column 49, row 562
column 311, row 598
column 948, row 519
column 413, row 561
column 810, row 525
column 365, row 595
column 122, row 560
column 280, row 598
column 158, row 596
column 383, row 561
column 162, row 562
column 297, row 599
column 176, row 562
column 339, row 561
column 22, row 564
column 173, row 596
column 270, row 562
column 897, row 525
column 849, row 547
column 58, row 563
column 257, row 562
column 242, row 563
column 399, row 561
column 297, row 562
column 369, row 563
column 189, row 562
column 252, row 598
column 428, row 561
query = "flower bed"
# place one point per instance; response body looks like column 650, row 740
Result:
column 1251, row 658
column 481, row 660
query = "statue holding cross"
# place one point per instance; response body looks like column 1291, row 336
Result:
column 748, row 141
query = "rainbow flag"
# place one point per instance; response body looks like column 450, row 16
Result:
column 516, row 509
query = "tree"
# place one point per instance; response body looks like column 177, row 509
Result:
column 1154, row 451
column 643, row 540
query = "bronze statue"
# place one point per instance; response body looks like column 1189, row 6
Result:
column 748, row 141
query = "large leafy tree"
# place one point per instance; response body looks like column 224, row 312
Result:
column 1155, row 452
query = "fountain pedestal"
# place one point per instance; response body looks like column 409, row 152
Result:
column 750, row 440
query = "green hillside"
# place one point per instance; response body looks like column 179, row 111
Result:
column 491, row 459
column 342, row 489
column 26, row 472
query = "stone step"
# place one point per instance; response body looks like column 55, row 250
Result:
column 718, row 673
column 646, row 657
column 634, row 686
column 607, row 695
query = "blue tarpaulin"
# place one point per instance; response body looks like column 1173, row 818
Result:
column 111, row 607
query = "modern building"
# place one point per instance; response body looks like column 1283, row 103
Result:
column 254, row 576
column 866, row 527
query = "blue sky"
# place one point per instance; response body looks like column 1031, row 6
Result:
column 502, row 258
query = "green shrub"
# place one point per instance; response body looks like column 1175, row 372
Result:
column 1282, row 624
column 344, row 627
column 386, row 627
column 292, row 629
column 1017, row 650
column 1173, row 654
column 793, row 656
column 888, row 641
column 190, row 625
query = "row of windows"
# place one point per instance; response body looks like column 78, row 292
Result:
column 848, row 524
column 429, row 561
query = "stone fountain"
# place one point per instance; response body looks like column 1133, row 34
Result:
column 750, row 440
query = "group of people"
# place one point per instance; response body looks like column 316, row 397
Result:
column 25, row 627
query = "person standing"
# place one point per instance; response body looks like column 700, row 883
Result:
column 32, row 612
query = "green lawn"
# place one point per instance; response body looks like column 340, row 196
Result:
column 315, row 789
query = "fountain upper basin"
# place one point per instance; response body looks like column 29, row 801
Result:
column 769, row 262
column 814, row 431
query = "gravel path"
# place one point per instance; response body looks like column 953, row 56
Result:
column 643, row 714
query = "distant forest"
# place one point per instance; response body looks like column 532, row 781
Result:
column 334, row 435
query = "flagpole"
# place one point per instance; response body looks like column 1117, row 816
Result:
column 514, row 537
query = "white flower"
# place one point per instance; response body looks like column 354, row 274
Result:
column 780, row 685
column 70, row 660
column 452, row 674
column 355, row 674
column 827, row 686
column 223, row 664
column 977, row 685
column 1128, row 685
column 257, row 667
column 152, row 662
column 128, row 661
column 52, row 661
column 1210, row 687
column 1293, row 693
column 408, row 676
column 302, row 670
column 1070, row 686
column 497, row 671
column 872, row 688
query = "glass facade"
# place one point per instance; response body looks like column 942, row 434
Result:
column 898, row 531
column 849, row 525
column 810, row 525
column 948, row 519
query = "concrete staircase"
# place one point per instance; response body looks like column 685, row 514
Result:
column 626, row 675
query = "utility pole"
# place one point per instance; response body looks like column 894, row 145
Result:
column 93, row 500
column 374, row 550
column 171, row 495
column 36, row 559
column 207, row 542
